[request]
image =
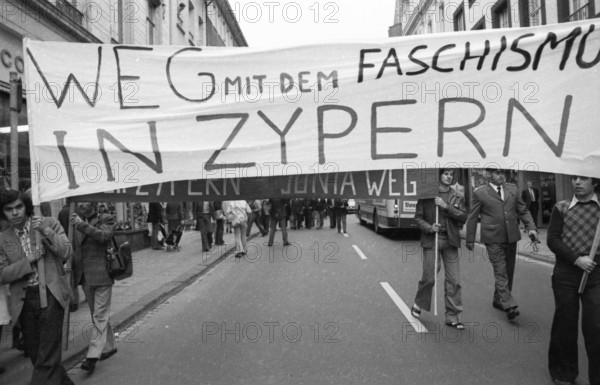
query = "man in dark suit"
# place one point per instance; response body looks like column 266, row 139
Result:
column 531, row 197
column 279, row 214
column 20, row 261
column 92, row 238
column 500, row 206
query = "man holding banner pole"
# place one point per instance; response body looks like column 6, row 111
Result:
column 440, row 219
column 573, row 236
column 500, row 206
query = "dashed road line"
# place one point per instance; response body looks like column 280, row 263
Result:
column 415, row 323
column 360, row 253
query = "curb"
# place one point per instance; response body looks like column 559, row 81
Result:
column 123, row 319
column 127, row 317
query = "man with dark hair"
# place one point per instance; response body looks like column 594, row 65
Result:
column 92, row 238
column 571, row 233
column 39, row 300
column 452, row 214
column 500, row 205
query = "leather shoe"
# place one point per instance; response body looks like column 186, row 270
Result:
column 73, row 307
column 89, row 364
column 512, row 313
column 496, row 305
column 108, row 354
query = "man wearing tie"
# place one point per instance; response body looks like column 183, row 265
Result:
column 531, row 197
column 499, row 205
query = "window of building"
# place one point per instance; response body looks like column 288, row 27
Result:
column 459, row 18
column 533, row 12
column 579, row 10
column 501, row 15
column 442, row 17
column 150, row 31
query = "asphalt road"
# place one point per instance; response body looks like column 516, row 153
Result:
column 328, row 310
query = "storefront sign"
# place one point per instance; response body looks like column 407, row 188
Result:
column 110, row 117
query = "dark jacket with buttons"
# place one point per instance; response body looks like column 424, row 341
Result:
column 91, row 241
column 456, row 215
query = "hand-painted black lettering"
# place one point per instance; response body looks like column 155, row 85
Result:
column 71, row 78
column 503, row 46
column 412, row 58
column 210, row 164
column 60, row 141
column 551, row 38
column 321, row 110
column 213, row 87
column 436, row 57
column 557, row 149
column 128, row 77
column 580, row 62
column 395, row 64
column 362, row 65
column 377, row 130
column 468, row 56
column 464, row 129
column 104, row 135
column 515, row 48
column 283, row 133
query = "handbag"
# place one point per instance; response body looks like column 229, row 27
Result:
column 119, row 260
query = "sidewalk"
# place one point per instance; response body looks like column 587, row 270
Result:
column 157, row 276
column 525, row 248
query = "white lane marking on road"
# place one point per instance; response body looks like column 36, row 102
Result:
column 415, row 323
column 360, row 253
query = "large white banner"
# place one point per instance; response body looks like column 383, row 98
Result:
column 107, row 117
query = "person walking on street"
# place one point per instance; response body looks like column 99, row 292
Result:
column 500, row 205
column 220, row 222
column 341, row 212
column 20, row 257
column 237, row 212
column 91, row 240
column 254, row 217
column 155, row 217
column 330, row 202
column 452, row 214
column 571, row 232
column 174, row 215
column 204, row 212
column 278, row 217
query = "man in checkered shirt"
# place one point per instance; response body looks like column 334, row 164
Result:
column 570, row 236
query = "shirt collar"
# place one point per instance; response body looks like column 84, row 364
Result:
column 25, row 228
column 495, row 186
column 574, row 201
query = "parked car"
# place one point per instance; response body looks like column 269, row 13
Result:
column 351, row 206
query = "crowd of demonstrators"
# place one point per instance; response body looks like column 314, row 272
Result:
column 93, row 236
column 500, row 206
column 451, row 215
column 38, row 302
column 571, row 232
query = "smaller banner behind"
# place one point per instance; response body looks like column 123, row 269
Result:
column 379, row 184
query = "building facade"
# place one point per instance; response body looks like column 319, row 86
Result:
column 132, row 22
column 414, row 17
